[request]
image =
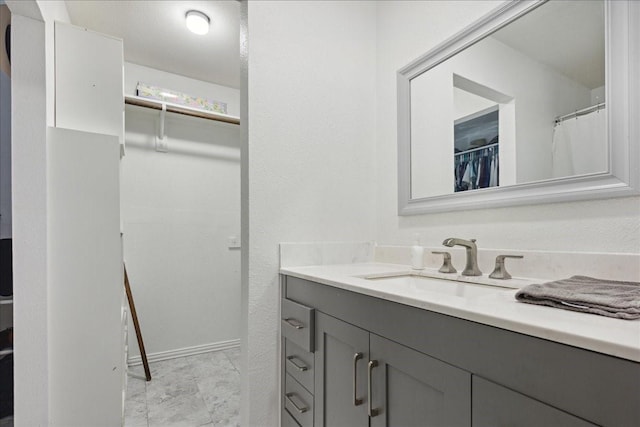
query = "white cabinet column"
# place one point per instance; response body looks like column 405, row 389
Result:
column 89, row 81
column 85, row 279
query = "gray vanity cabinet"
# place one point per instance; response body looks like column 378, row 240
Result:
column 496, row 406
column 341, row 360
column 408, row 388
column 430, row 369
column 413, row 389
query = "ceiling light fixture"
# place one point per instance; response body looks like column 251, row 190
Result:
column 197, row 22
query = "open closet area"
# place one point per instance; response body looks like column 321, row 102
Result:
column 141, row 155
column 180, row 195
column 180, row 199
column 179, row 205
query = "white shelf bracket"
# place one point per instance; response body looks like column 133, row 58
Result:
column 161, row 142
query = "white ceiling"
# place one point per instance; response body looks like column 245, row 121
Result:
column 155, row 35
column 566, row 35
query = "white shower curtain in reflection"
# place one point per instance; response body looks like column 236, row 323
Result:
column 580, row 145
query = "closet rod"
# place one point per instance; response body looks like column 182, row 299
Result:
column 580, row 112
column 180, row 109
column 471, row 150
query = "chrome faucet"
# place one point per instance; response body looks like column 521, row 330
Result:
column 471, row 269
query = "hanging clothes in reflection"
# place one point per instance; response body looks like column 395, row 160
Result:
column 477, row 168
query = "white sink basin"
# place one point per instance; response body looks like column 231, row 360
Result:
column 416, row 283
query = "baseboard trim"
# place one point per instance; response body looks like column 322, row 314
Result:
column 182, row 352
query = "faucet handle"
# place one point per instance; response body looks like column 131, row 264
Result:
column 500, row 271
column 447, row 267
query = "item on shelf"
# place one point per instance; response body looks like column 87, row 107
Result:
column 478, row 143
column 6, row 269
column 166, row 95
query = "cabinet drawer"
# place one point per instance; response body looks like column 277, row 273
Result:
column 298, row 324
column 497, row 406
column 299, row 364
column 288, row 420
column 298, row 401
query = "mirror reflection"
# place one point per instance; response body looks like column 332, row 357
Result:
column 525, row 104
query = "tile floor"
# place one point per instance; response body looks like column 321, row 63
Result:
column 201, row 390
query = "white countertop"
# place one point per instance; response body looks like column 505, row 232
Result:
column 606, row 335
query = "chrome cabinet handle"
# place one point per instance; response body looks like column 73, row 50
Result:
column 294, row 323
column 299, row 367
column 372, row 412
column 302, row 409
column 356, row 401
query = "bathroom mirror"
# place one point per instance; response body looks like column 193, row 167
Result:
column 533, row 103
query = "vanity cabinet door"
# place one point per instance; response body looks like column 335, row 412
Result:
column 497, row 406
column 413, row 389
column 340, row 374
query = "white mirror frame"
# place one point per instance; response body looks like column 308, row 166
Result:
column 622, row 41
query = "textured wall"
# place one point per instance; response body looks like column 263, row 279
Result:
column 310, row 157
column 405, row 31
column 52, row 10
column 178, row 209
column 29, row 186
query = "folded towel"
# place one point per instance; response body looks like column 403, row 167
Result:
column 587, row 295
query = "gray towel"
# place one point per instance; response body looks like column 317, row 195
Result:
column 587, row 295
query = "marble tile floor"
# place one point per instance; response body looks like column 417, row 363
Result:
column 200, row 390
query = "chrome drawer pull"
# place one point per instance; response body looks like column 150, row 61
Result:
column 301, row 410
column 299, row 367
column 372, row 412
column 294, row 323
column 356, row 401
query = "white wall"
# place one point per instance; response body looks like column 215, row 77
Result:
column 467, row 103
column 409, row 29
column 598, row 95
column 134, row 73
column 29, row 214
column 311, row 132
column 52, row 10
column 179, row 208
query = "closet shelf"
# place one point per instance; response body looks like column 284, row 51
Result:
column 6, row 300
column 180, row 109
column 5, row 352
